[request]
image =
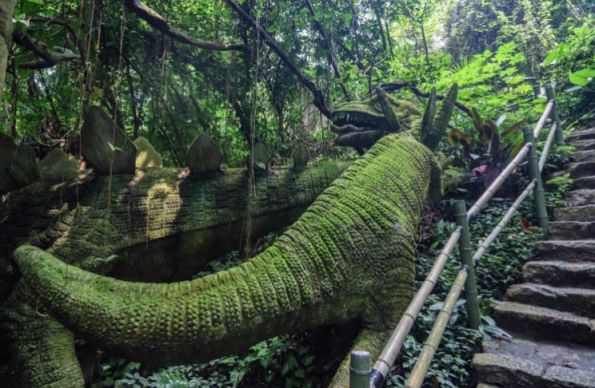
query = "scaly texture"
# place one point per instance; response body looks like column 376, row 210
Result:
column 176, row 216
column 330, row 266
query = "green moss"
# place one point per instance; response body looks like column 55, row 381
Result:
column 330, row 266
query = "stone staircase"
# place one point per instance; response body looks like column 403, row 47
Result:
column 552, row 316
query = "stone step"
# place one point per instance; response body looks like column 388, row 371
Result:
column 584, row 156
column 584, row 145
column 585, row 134
column 544, row 323
column 581, row 197
column 566, row 250
column 577, row 213
column 561, row 273
column 581, row 169
column 580, row 301
column 571, row 230
column 585, row 183
column 582, row 134
column 525, row 363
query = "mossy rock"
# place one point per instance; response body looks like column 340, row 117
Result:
column 204, row 155
column 261, row 157
column 300, row 155
column 58, row 166
column 146, row 155
column 100, row 144
column 23, row 168
column 7, row 150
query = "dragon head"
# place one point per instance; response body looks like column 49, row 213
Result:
column 360, row 124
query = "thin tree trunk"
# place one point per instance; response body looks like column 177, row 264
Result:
column 6, row 28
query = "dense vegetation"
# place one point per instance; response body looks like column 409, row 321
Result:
column 255, row 71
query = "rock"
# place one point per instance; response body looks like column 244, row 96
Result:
column 561, row 273
column 300, row 155
column 585, row 183
column 7, row 149
column 581, row 169
column 571, row 250
column 580, row 301
column 584, row 156
column 57, row 166
column 584, row 145
column 506, row 370
column 261, row 157
column 581, row 197
column 204, row 155
column 577, row 213
column 23, row 168
column 146, row 155
column 571, row 230
column 543, row 323
column 586, row 134
column 99, row 147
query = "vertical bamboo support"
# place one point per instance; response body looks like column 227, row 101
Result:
column 359, row 369
column 549, row 92
column 538, row 193
column 466, row 257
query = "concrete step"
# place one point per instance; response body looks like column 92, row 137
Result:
column 584, row 156
column 544, row 323
column 525, row 363
column 577, row 213
column 571, row 230
column 566, row 250
column 580, row 301
column 585, row 183
column 581, row 169
column 584, row 145
column 581, row 197
column 585, row 134
column 561, row 273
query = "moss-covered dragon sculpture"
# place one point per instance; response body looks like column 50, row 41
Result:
column 350, row 256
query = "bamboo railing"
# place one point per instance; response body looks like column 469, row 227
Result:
column 362, row 376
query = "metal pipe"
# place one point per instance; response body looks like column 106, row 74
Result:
column 484, row 245
column 538, row 193
column 546, row 147
column 497, row 183
column 395, row 343
column 359, row 369
column 416, row 378
column 543, row 118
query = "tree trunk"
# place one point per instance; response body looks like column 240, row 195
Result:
column 6, row 27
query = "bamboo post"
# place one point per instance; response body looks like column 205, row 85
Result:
column 466, row 257
column 549, row 92
column 359, row 369
column 538, row 193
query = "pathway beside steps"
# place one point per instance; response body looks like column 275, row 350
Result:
column 552, row 315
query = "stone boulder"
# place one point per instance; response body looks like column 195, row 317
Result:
column 300, row 155
column 100, row 144
column 58, row 166
column 204, row 155
column 146, row 155
column 18, row 165
column 262, row 157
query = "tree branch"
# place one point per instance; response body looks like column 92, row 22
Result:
column 50, row 57
column 319, row 100
column 160, row 23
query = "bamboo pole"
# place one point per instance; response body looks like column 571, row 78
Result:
column 416, row 378
column 497, row 183
column 484, row 245
column 549, row 92
column 546, row 147
column 359, row 369
column 538, row 193
column 467, row 260
column 543, row 118
column 395, row 343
